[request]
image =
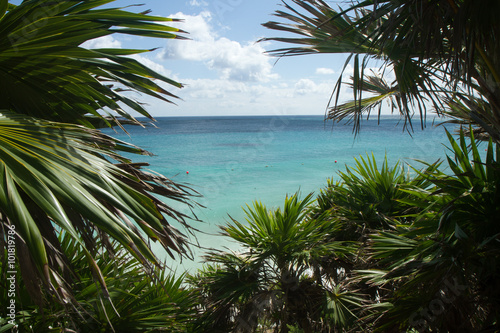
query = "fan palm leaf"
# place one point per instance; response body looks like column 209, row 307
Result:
column 58, row 172
column 449, row 252
column 46, row 72
column 436, row 50
column 143, row 301
column 271, row 278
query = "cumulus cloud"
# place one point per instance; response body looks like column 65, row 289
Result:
column 212, row 89
column 231, row 59
column 304, row 86
column 102, row 43
column 308, row 87
column 110, row 42
column 324, row 71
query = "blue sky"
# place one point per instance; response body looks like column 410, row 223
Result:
column 225, row 71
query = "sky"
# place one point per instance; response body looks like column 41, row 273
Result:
column 224, row 69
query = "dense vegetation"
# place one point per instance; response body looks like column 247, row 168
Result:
column 60, row 177
column 382, row 249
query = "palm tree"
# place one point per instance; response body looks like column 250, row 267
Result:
column 270, row 281
column 443, row 54
column 141, row 301
column 369, row 196
column 369, row 199
column 59, row 173
column 443, row 262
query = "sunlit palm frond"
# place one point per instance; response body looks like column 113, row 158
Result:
column 45, row 71
column 435, row 50
column 271, row 279
column 141, row 300
column 450, row 248
column 318, row 24
column 372, row 195
column 56, row 177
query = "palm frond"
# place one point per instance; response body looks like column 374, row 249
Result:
column 448, row 249
column 435, row 50
column 140, row 300
column 271, row 278
column 58, row 173
column 45, row 72
column 57, row 177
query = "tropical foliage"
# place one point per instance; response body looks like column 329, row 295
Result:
column 270, row 281
column 420, row 253
column 444, row 261
column 58, row 172
column 423, row 259
column 370, row 195
column 424, row 55
column 419, row 248
column 387, row 249
column 412, row 250
column 141, row 300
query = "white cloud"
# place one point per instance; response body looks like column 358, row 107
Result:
column 204, row 89
column 105, row 42
column 305, row 86
column 197, row 3
column 324, row 71
column 219, row 97
column 159, row 68
column 231, row 59
column 308, row 87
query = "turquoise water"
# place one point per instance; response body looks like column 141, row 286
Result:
column 235, row 160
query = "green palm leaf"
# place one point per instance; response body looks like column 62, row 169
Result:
column 448, row 249
column 60, row 171
column 438, row 53
column 271, row 278
column 41, row 52
column 142, row 301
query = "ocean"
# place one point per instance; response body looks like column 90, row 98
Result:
column 233, row 161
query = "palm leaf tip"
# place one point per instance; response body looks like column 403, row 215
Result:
column 434, row 61
column 93, row 79
column 61, row 180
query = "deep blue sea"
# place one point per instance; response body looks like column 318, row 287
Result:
column 233, row 161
